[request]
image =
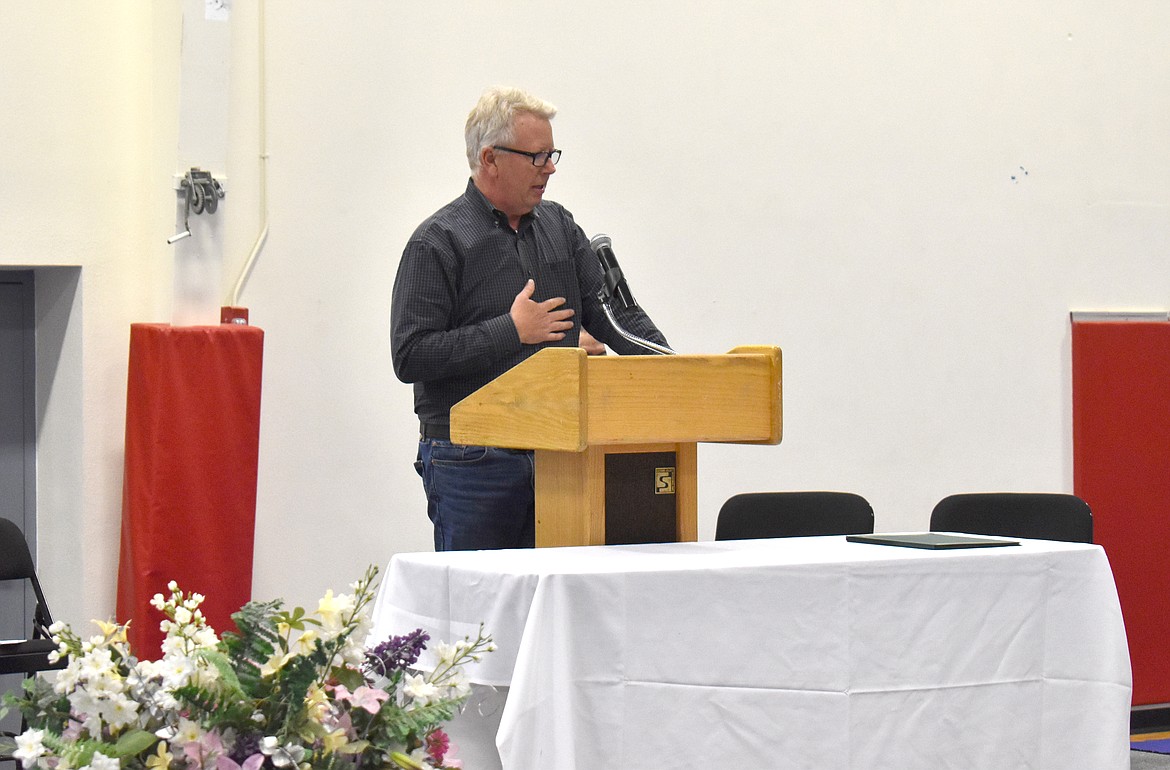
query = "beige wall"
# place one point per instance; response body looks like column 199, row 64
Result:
column 833, row 178
column 81, row 132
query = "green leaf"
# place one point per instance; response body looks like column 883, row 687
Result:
column 218, row 709
column 350, row 677
column 250, row 648
column 76, row 753
column 405, row 762
column 227, row 675
column 134, row 742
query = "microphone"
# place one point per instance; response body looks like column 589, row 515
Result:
column 614, row 281
column 614, row 284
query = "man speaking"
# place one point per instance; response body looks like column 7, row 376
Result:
column 488, row 280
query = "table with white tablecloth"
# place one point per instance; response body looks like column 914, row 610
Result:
column 792, row 653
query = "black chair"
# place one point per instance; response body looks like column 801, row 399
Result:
column 793, row 514
column 1035, row 515
column 32, row 654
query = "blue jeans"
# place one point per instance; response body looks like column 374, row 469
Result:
column 478, row 497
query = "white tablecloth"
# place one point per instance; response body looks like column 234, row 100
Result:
column 794, row 653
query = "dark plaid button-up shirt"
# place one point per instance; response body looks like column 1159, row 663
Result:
column 450, row 328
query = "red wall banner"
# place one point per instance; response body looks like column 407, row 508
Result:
column 189, row 491
column 1121, row 468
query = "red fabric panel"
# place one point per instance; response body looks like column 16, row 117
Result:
column 1121, row 468
column 189, row 491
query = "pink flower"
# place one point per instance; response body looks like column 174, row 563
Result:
column 206, row 751
column 251, row 763
column 450, row 761
column 368, row 698
column 437, row 745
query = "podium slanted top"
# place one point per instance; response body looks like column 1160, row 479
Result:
column 562, row 399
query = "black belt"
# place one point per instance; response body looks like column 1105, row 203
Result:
column 434, row 430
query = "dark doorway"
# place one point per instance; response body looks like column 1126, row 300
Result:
column 17, row 440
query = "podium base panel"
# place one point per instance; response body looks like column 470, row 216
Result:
column 640, row 502
column 614, row 494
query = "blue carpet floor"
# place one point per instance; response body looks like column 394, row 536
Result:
column 1149, row 751
column 1157, row 745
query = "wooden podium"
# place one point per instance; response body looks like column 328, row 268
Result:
column 617, row 435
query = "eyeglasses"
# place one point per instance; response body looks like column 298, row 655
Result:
column 538, row 158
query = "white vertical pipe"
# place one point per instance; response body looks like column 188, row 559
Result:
column 262, row 120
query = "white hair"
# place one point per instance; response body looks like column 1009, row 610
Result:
column 491, row 120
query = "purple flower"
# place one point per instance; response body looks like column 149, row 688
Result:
column 245, row 747
column 396, row 653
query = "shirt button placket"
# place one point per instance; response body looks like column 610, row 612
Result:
column 526, row 257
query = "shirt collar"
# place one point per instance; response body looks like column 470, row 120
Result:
column 475, row 194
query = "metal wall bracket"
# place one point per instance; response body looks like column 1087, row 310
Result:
column 202, row 193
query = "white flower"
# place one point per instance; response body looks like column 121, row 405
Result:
column 188, row 732
column 282, row 756
column 97, row 662
column 68, row 677
column 101, row 762
column 457, row 684
column 420, row 756
column 275, row 663
column 29, row 747
column 82, row 701
column 353, row 652
column 175, row 671
column 172, row 646
column 306, row 642
column 205, row 638
column 165, row 701
column 119, row 711
column 420, row 691
column 446, row 653
column 331, row 609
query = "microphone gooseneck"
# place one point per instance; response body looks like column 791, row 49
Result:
column 613, row 284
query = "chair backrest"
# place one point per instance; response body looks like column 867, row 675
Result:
column 1036, row 515
column 15, row 560
column 36, row 651
column 16, row 564
column 793, row 514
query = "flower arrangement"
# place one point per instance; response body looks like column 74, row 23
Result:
column 289, row 690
